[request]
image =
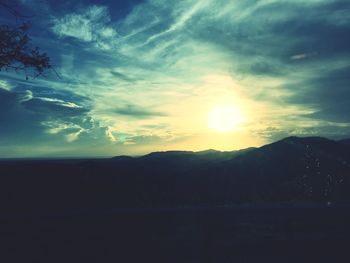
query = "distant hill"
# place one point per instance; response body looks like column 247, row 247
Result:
column 292, row 170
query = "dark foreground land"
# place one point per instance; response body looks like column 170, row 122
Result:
column 241, row 234
column 284, row 202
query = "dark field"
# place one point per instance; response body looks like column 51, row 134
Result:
column 240, row 234
column 284, row 202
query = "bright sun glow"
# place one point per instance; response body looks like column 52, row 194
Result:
column 224, row 118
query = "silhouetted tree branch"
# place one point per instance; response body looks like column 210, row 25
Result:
column 16, row 54
column 15, row 51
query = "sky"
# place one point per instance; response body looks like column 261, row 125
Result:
column 142, row 76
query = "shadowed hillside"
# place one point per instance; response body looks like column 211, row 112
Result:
column 293, row 170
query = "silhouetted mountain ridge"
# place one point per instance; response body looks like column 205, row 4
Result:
column 292, row 170
column 345, row 141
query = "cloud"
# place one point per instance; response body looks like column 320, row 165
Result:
column 264, row 68
column 16, row 123
column 5, row 85
column 303, row 56
column 122, row 76
column 53, row 107
column 281, row 55
column 137, row 112
column 181, row 20
column 285, row 62
column 92, row 24
column 27, row 119
column 327, row 93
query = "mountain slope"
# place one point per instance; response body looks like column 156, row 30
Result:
column 292, row 170
column 309, row 169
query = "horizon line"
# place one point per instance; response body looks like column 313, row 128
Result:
column 141, row 155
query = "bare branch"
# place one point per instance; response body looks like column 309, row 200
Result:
column 15, row 52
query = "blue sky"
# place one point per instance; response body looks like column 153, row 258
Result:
column 142, row 76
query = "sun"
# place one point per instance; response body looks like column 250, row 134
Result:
column 225, row 118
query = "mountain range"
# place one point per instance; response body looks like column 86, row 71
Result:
column 293, row 170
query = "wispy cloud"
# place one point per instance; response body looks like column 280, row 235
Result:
column 167, row 53
column 181, row 20
column 147, row 78
column 92, row 24
column 137, row 112
column 303, row 55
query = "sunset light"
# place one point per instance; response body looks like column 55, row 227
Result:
column 225, row 118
